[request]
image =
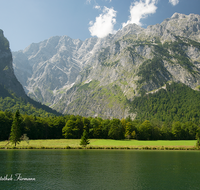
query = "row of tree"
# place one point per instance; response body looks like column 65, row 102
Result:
column 127, row 128
column 72, row 127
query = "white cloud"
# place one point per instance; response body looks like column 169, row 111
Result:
column 174, row 2
column 97, row 7
column 139, row 10
column 104, row 23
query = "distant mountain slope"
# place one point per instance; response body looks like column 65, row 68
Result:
column 100, row 77
column 173, row 102
column 12, row 95
column 10, row 102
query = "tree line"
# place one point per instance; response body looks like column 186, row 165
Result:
column 72, row 127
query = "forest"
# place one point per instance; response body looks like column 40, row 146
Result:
column 72, row 127
column 10, row 101
column 177, row 102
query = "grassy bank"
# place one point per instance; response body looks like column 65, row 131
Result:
column 103, row 144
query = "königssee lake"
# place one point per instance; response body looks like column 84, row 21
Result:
column 99, row 169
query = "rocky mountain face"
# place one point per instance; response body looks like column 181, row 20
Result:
column 49, row 68
column 7, row 76
column 12, row 94
column 100, row 77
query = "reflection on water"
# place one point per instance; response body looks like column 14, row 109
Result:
column 100, row 169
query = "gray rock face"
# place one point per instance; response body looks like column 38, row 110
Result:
column 7, row 76
column 97, row 77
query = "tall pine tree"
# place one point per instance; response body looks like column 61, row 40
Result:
column 16, row 129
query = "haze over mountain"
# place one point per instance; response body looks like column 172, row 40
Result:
column 100, row 76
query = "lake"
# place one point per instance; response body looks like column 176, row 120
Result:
column 99, row 169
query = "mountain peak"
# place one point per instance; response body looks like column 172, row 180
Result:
column 178, row 16
column 128, row 30
column 192, row 16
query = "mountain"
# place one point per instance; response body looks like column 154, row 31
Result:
column 12, row 94
column 49, row 68
column 7, row 76
column 102, row 76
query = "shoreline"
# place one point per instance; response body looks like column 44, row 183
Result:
column 101, row 148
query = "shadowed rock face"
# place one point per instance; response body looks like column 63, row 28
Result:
column 97, row 77
column 7, row 76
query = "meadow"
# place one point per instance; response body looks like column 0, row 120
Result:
column 102, row 144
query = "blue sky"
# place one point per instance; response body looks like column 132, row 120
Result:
column 31, row 21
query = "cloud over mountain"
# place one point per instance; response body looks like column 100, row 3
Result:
column 139, row 10
column 104, row 23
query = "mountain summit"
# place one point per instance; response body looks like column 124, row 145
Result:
column 101, row 76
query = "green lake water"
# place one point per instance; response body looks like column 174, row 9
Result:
column 99, row 169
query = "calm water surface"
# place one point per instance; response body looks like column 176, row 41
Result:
column 100, row 169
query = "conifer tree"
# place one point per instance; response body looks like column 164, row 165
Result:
column 84, row 139
column 16, row 129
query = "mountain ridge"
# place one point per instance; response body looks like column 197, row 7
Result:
column 70, row 75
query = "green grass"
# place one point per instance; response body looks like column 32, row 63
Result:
column 102, row 143
column 54, row 143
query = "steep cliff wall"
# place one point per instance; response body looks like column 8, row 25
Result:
column 7, row 76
